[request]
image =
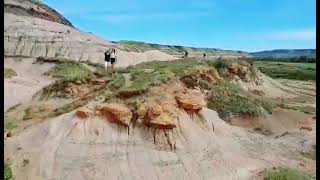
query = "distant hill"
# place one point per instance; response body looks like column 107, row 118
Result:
column 177, row 50
column 285, row 53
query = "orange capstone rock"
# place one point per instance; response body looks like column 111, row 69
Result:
column 84, row 112
column 190, row 101
column 117, row 112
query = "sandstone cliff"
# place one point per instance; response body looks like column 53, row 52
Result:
column 34, row 30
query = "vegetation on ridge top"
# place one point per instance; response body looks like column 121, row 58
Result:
column 287, row 70
column 287, row 174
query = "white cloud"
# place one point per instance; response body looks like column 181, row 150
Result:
column 303, row 34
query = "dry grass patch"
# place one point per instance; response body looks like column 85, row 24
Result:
column 9, row 73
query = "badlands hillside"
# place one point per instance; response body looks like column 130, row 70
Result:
column 33, row 30
column 159, row 117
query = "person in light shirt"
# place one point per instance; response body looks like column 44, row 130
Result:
column 113, row 59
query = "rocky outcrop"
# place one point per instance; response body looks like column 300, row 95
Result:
column 34, row 9
column 209, row 74
column 154, row 111
column 163, row 121
column 190, row 101
column 84, row 112
column 161, row 116
column 204, row 77
column 117, row 112
column 233, row 68
column 94, row 149
column 244, row 71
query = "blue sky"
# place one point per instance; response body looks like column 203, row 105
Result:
column 249, row 25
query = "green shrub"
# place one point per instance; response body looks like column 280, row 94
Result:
column 7, row 172
column 100, row 71
column 56, row 88
column 9, row 73
column 311, row 154
column 67, row 72
column 71, row 72
column 25, row 162
column 220, row 65
column 287, row 174
column 9, row 124
column 108, row 95
column 228, row 98
column 250, row 61
column 27, row 114
column 116, row 82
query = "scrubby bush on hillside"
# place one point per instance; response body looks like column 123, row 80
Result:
column 71, row 72
column 7, row 172
column 287, row 174
column 67, row 72
column 227, row 98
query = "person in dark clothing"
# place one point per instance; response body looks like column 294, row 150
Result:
column 185, row 54
column 107, row 59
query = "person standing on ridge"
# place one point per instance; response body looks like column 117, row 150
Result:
column 107, row 59
column 185, row 54
column 113, row 58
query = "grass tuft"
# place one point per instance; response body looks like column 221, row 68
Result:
column 143, row 81
column 311, row 154
column 220, row 65
column 71, row 72
column 25, row 162
column 7, row 172
column 27, row 114
column 13, row 107
column 8, row 124
column 117, row 82
column 9, row 73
